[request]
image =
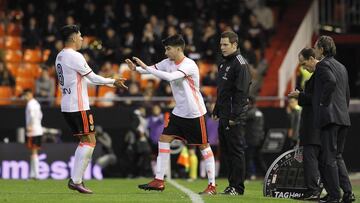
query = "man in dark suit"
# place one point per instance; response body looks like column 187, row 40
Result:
column 330, row 102
column 309, row 136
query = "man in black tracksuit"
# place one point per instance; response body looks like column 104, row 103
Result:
column 233, row 82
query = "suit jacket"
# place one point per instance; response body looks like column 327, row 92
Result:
column 331, row 94
column 308, row 133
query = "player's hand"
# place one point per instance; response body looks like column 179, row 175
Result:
column 139, row 62
column 119, row 83
column 294, row 94
column 131, row 64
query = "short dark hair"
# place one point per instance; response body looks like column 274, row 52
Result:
column 174, row 40
column 307, row 52
column 27, row 91
column 327, row 44
column 233, row 37
column 67, row 31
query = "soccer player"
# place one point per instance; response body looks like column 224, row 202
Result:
column 34, row 130
column 74, row 74
column 187, row 120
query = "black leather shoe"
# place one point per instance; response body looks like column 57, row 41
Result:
column 348, row 197
column 324, row 199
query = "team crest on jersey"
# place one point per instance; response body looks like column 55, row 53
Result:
column 91, row 119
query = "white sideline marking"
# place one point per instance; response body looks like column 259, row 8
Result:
column 196, row 198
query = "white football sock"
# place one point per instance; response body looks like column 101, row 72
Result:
column 83, row 156
column 34, row 166
column 162, row 160
column 209, row 164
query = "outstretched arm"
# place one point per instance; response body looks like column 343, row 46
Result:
column 99, row 80
column 160, row 74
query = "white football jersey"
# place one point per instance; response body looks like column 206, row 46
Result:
column 186, row 91
column 33, row 116
column 71, row 67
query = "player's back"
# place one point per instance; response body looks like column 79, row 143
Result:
column 71, row 67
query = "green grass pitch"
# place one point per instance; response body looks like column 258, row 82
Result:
column 124, row 190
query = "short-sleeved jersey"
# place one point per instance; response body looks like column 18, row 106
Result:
column 186, row 91
column 33, row 116
column 71, row 67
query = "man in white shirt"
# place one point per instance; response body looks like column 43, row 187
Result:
column 74, row 74
column 34, row 131
column 187, row 120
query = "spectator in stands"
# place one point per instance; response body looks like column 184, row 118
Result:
column 31, row 34
column 150, row 44
column 70, row 20
column 209, row 43
column 128, row 47
column 53, row 52
column 238, row 27
column 109, row 17
column 126, row 17
column 111, row 44
column 266, row 18
column 6, row 79
column 107, row 70
column 249, row 53
column 157, row 25
column 134, row 91
column 90, row 20
column 45, row 87
column 192, row 43
column 210, row 78
column 256, row 35
column 49, row 32
column 170, row 31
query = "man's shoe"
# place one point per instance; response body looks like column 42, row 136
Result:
column 328, row 199
column 231, row 191
column 348, row 197
column 155, row 184
column 79, row 187
column 324, row 199
column 210, row 190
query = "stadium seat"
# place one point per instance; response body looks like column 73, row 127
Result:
column 25, row 82
column 13, row 29
column 6, row 92
column 105, row 89
column 209, row 91
column 2, row 42
column 32, row 56
column 13, row 42
column 2, row 29
column 105, row 92
column 13, row 68
column 13, row 56
column 33, row 68
column 204, row 68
